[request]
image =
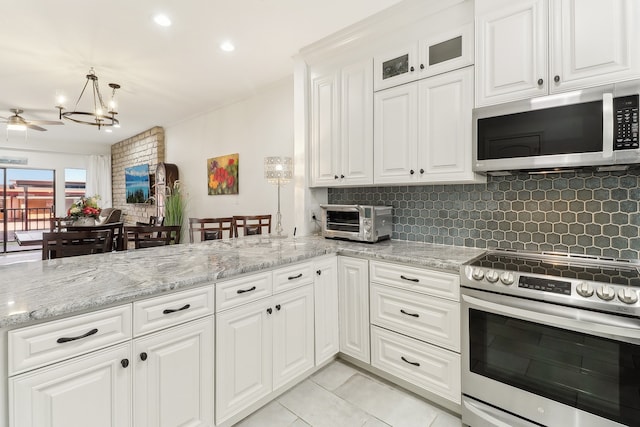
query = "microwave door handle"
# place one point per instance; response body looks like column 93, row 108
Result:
column 607, row 125
column 561, row 317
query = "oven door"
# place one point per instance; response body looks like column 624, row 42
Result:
column 546, row 363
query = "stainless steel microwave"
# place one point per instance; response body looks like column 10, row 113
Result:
column 596, row 127
column 356, row 222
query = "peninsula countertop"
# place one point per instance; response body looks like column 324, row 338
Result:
column 31, row 291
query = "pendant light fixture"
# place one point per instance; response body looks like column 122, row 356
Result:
column 101, row 114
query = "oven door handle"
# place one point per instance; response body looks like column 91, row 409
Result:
column 588, row 322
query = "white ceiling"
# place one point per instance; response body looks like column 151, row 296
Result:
column 167, row 74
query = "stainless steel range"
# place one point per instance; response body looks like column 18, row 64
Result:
column 550, row 339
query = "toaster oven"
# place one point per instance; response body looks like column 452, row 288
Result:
column 356, row 222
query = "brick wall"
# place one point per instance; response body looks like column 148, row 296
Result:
column 145, row 148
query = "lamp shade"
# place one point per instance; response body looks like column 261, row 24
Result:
column 278, row 169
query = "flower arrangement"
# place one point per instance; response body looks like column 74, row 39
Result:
column 86, row 207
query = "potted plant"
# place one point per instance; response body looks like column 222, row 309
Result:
column 174, row 205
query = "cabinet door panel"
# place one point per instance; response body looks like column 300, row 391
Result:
column 326, row 309
column 511, row 51
column 354, row 307
column 93, row 390
column 446, row 103
column 292, row 334
column 325, row 116
column 243, row 357
column 395, row 67
column 174, row 383
column 396, row 133
column 593, row 42
column 357, row 124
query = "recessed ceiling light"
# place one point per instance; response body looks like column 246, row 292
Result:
column 162, row 20
column 227, row 46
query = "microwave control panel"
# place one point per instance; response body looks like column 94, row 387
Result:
column 626, row 123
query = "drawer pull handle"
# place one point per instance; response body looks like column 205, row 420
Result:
column 409, row 314
column 88, row 334
column 242, row 291
column 409, row 278
column 295, row 277
column 410, row 363
column 169, row 310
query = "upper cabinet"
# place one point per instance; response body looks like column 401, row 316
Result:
column 417, row 60
column 342, row 125
column 529, row 48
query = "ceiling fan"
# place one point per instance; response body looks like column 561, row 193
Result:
column 17, row 122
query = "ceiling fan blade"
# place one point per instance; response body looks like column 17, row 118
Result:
column 45, row 122
column 34, row 127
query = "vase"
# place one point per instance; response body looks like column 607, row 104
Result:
column 84, row 221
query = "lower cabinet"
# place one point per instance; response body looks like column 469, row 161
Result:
column 92, row 390
column 325, row 297
column 353, row 279
column 261, row 346
column 173, row 376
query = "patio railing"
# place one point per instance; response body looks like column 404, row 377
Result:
column 21, row 219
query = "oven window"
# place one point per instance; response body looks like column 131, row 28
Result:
column 343, row 221
column 569, row 129
column 594, row 374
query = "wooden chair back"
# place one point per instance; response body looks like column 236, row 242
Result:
column 153, row 221
column 59, row 244
column 117, row 231
column 252, row 224
column 58, row 223
column 148, row 236
column 210, row 228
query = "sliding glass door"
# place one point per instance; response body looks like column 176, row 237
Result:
column 3, row 215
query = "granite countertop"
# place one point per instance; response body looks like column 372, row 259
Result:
column 44, row 289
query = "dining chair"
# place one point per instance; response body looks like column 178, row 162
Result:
column 117, row 231
column 148, row 236
column 251, row 224
column 60, row 244
column 58, row 223
column 109, row 216
column 210, row 228
column 153, row 220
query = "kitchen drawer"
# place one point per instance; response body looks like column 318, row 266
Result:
column 431, row 368
column 232, row 293
column 290, row 277
column 445, row 285
column 420, row 316
column 168, row 310
column 40, row 345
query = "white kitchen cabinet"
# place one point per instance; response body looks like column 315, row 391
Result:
column 439, row 53
column 173, row 376
column 92, row 390
column 262, row 346
column 529, row 48
column 423, row 131
column 353, row 279
column 342, row 125
column 325, row 285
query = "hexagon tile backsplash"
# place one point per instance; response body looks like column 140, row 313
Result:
column 581, row 213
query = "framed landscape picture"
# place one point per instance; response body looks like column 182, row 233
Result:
column 137, row 185
column 222, row 174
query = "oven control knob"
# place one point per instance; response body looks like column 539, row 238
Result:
column 492, row 276
column 606, row 293
column 584, row 289
column 507, row 278
column 627, row 296
column 477, row 274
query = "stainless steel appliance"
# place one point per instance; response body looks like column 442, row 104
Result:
column 596, row 127
column 356, row 222
column 550, row 339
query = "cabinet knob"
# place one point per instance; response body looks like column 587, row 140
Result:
column 124, row 363
column 318, row 272
column 556, row 79
column 412, row 69
column 540, row 82
column 278, row 307
column 269, row 310
column 422, row 66
column 412, row 171
column 421, row 171
column 335, row 177
column 341, row 176
column 143, row 356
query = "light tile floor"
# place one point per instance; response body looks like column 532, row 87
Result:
column 342, row 396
